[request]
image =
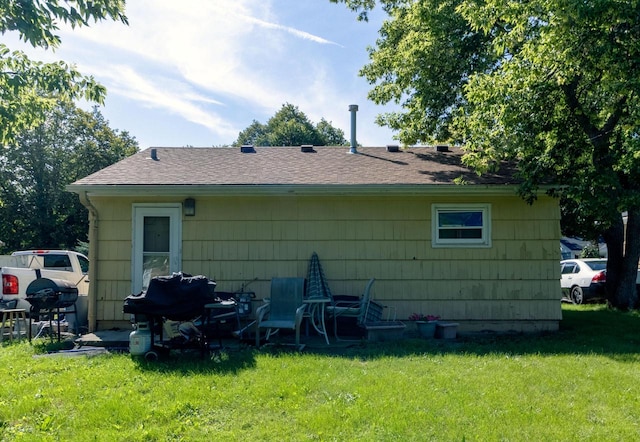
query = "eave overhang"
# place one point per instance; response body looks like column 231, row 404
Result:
column 124, row 190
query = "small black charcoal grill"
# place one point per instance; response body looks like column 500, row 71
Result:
column 51, row 294
column 48, row 294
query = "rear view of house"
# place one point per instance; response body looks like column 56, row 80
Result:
column 473, row 253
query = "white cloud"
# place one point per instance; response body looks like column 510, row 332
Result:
column 221, row 63
column 224, row 47
column 169, row 96
column 290, row 30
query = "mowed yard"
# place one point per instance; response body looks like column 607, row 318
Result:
column 582, row 383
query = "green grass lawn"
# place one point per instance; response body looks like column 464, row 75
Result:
column 582, row 383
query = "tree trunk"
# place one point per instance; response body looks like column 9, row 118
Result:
column 629, row 292
column 622, row 264
column 614, row 237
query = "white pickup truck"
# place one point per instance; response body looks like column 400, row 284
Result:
column 22, row 268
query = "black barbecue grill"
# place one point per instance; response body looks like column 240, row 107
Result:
column 49, row 295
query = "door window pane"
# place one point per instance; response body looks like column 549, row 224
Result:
column 156, row 234
column 156, row 250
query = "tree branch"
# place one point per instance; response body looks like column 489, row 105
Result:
column 596, row 136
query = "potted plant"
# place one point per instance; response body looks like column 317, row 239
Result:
column 425, row 324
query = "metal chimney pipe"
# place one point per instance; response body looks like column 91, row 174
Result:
column 353, row 108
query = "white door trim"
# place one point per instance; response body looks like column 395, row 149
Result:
column 142, row 210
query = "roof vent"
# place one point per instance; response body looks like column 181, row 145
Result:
column 393, row 148
column 442, row 148
column 247, row 148
column 306, row 148
column 153, row 154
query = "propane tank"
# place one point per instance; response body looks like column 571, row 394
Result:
column 140, row 340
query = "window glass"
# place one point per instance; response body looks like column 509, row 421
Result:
column 597, row 265
column 462, row 225
column 156, row 234
column 460, row 219
column 156, row 251
column 84, row 264
column 57, row 262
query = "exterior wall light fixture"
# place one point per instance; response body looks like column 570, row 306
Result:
column 189, row 207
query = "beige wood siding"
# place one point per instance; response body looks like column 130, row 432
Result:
column 514, row 284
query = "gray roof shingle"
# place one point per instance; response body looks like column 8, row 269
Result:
column 291, row 166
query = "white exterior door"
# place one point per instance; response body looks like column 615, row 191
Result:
column 157, row 242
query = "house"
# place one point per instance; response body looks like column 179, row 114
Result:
column 571, row 248
column 473, row 253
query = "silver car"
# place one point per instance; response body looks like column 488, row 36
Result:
column 583, row 279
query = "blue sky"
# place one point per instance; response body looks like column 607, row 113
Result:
column 197, row 72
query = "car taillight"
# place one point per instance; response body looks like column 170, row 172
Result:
column 10, row 285
column 599, row 277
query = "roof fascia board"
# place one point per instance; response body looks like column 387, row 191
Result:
column 253, row 190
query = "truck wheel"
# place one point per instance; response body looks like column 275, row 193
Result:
column 576, row 295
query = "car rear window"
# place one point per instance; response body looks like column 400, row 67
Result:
column 597, row 265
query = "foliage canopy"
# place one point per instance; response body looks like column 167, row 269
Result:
column 36, row 210
column 551, row 85
column 291, row 127
column 29, row 88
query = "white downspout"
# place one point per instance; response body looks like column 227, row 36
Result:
column 93, row 261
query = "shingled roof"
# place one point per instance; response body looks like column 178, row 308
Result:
column 293, row 166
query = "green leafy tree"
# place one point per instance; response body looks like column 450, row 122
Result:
column 36, row 210
column 551, row 85
column 255, row 134
column 291, row 127
column 330, row 135
column 29, row 88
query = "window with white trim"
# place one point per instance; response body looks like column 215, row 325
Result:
column 461, row 225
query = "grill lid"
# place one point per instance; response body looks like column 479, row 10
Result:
column 50, row 293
